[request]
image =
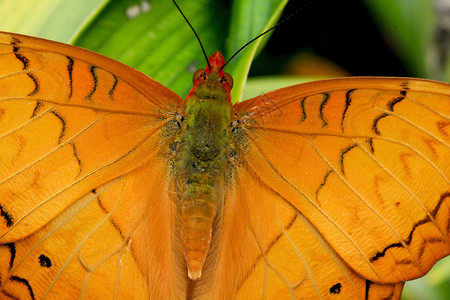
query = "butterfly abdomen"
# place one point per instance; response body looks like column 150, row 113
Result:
column 198, row 211
column 200, row 166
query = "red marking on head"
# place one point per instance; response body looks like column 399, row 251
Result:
column 216, row 61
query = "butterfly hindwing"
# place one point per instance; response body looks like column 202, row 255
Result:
column 280, row 254
column 100, row 240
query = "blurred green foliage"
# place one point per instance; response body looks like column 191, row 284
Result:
column 419, row 32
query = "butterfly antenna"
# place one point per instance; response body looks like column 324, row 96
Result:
column 196, row 35
column 268, row 30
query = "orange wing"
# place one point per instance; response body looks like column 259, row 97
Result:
column 269, row 250
column 338, row 181
column 80, row 134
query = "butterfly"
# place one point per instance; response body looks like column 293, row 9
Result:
column 335, row 188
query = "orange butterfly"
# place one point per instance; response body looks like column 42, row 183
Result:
column 112, row 187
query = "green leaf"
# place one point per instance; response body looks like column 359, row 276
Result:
column 160, row 42
column 435, row 285
column 248, row 19
column 58, row 20
column 411, row 28
column 257, row 86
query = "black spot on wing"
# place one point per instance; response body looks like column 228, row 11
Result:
column 12, row 251
column 44, row 261
column 366, row 295
column 36, row 109
column 63, row 124
column 343, row 153
column 103, row 208
column 336, row 289
column 36, row 84
column 326, row 97
column 24, row 282
column 113, row 88
column 25, row 64
column 10, row 296
column 390, row 107
column 93, row 72
column 25, row 61
column 378, row 255
column 7, row 216
column 100, row 204
column 15, row 41
column 75, row 153
column 70, row 75
column 302, row 104
column 322, row 184
column 369, row 142
column 396, row 100
column 348, row 101
column 375, row 123
column 404, row 85
column 408, row 240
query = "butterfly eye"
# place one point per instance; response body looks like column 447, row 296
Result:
column 228, row 79
column 178, row 119
column 234, row 125
column 200, row 73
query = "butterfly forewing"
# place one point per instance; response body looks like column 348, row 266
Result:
column 366, row 161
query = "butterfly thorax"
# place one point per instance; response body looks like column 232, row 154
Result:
column 201, row 161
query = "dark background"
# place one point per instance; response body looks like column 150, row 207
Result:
column 341, row 31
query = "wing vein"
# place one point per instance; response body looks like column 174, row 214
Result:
column 310, row 202
column 79, row 246
column 76, row 182
column 342, row 178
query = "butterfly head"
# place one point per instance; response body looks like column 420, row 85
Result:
column 213, row 75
